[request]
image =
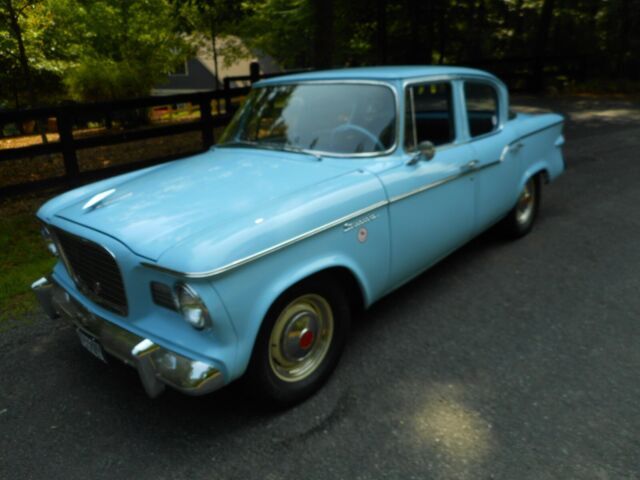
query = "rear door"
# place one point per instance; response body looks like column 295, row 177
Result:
column 497, row 170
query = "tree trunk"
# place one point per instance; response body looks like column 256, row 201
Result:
column 443, row 32
column 413, row 54
column 323, row 33
column 516, row 42
column 544, row 27
column 381, row 31
column 478, row 32
column 16, row 29
column 214, row 49
column 623, row 50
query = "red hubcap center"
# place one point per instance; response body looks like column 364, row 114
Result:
column 306, row 339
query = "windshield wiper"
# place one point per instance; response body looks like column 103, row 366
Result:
column 291, row 148
column 270, row 146
column 238, row 143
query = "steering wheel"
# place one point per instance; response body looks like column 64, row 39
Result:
column 361, row 130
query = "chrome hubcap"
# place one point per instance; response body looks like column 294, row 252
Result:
column 526, row 203
column 301, row 338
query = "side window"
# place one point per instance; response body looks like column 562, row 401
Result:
column 482, row 108
column 429, row 114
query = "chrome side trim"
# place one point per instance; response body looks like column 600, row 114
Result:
column 267, row 251
column 536, row 131
column 346, row 218
column 430, row 186
column 317, row 230
column 487, row 165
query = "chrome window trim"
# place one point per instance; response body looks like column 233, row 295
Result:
column 414, row 130
column 421, row 81
column 499, row 106
column 389, row 85
column 493, row 81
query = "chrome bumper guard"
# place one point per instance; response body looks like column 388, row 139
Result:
column 157, row 366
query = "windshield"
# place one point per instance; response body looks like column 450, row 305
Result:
column 326, row 118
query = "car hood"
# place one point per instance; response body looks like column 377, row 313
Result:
column 163, row 207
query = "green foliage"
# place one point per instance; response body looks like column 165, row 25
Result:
column 281, row 29
column 118, row 48
column 103, row 49
column 24, row 259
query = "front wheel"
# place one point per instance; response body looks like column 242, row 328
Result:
column 299, row 343
column 521, row 218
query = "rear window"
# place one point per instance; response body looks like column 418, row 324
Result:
column 482, row 108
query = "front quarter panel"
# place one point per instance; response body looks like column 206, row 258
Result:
column 249, row 291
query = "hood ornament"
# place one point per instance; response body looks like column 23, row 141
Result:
column 96, row 199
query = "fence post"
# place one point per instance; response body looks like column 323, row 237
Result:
column 227, row 95
column 65, row 130
column 206, row 121
column 254, row 72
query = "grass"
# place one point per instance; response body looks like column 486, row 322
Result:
column 24, row 257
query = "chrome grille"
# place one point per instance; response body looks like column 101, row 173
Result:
column 94, row 271
column 163, row 295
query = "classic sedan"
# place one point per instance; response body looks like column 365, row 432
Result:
column 327, row 191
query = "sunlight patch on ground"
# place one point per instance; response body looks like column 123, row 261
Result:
column 454, row 431
column 617, row 114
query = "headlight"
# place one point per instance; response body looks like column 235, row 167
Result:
column 191, row 306
column 48, row 238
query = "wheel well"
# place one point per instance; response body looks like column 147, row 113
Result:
column 543, row 174
column 347, row 279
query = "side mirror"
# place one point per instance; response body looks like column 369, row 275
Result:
column 426, row 151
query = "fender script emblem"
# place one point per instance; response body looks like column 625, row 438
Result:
column 348, row 226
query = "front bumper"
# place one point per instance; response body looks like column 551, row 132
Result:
column 157, row 366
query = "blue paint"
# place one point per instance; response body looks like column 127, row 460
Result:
column 204, row 213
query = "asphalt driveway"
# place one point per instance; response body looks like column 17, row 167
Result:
column 514, row 360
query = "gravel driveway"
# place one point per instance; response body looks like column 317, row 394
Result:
column 507, row 360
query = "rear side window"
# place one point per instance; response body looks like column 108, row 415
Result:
column 482, row 108
column 429, row 114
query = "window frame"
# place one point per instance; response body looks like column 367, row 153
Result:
column 408, row 87
column 499, row 125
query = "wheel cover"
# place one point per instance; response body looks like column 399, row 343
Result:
column 301, row 337
column 526, row 203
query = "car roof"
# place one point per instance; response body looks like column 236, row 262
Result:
column 377, row 73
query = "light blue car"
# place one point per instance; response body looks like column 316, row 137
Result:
column 327, row 191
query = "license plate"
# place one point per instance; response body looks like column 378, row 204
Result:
column 92, row 345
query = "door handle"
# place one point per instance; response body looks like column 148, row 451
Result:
column 516, row 148
column 472, row 165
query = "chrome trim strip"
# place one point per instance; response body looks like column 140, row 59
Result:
column 334, row 223
column 536, row 131
column 487, row 165
column 267, row 251
column 429, row 186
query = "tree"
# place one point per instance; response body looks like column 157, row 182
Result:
column 215, row 20
column 117, row 48
column 23, row 51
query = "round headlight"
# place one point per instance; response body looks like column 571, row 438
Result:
column 191, row 306
column 48, row 238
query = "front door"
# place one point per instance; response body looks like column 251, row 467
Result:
column 432, row 201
